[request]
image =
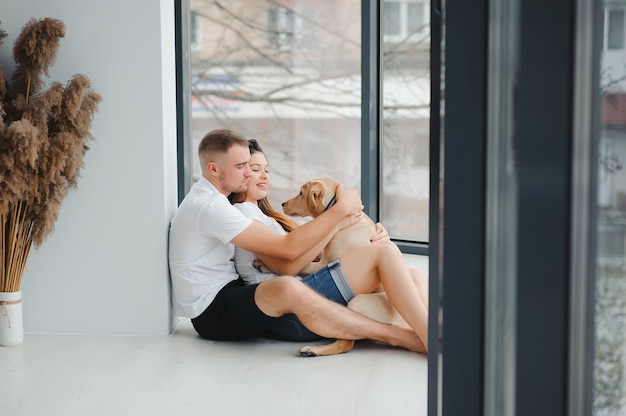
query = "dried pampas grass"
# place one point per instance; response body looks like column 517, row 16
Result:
column 43, row 140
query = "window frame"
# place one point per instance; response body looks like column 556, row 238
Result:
column 607, row 13
column 196, row 33
column 182, row 14
column 403, row 21
column 283, row 35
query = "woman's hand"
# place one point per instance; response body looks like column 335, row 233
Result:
column 381, row 234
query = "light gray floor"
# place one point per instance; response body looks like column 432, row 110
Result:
column 185, row 375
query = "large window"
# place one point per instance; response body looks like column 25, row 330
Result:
column 610, row 306
column 289, row 74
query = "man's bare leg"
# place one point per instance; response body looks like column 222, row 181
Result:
column 326, row 318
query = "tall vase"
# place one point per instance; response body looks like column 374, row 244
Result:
column 11, row 327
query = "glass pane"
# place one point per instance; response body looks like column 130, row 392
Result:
column 288, row 75
column 615, row 29
column 406, row 119
column 610, row 319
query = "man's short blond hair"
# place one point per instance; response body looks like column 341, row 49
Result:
column 217, row 142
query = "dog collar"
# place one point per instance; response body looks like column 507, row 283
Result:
column 332, row 202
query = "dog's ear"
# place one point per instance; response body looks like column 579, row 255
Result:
column 314, row 203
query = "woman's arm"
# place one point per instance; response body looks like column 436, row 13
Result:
column 381, row 234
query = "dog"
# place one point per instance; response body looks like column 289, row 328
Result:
column 317, row 196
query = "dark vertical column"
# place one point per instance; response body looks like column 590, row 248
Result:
column 183, row 99
column 371, row 105
column 463, row 245
column 434, row 206
column 545, row 135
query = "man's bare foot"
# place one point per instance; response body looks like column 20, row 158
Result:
column 407, row 339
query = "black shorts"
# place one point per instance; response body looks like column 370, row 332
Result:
column 233, row 315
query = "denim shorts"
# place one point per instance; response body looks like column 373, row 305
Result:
column 329, row 282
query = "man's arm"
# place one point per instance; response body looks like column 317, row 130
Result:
column 294, row 267
column 259, row 239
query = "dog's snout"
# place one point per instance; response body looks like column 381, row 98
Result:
column 283, row 204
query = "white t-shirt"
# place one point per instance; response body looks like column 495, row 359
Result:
column 200, row 252
column 244, row 259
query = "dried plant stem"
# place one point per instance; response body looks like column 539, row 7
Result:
column 16, row 244
column 27, row 89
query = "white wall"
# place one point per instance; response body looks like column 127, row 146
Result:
column 104, row 269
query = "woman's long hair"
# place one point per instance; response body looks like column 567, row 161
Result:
column 285, row 221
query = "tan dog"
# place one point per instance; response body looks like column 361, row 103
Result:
column 315, row 197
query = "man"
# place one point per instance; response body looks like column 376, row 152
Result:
column 206, row 287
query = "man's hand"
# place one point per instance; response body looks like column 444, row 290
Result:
column 350, row 202
column 348, row 220
column 381, row 234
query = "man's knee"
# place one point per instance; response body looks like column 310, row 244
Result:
column 278, row 295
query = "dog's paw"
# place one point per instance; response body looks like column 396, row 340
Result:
column 260, row 266
column 307, row 352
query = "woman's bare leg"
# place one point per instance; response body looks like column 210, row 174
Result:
column 421, row 281
column 367, row 267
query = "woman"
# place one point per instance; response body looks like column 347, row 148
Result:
column 364, row 269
